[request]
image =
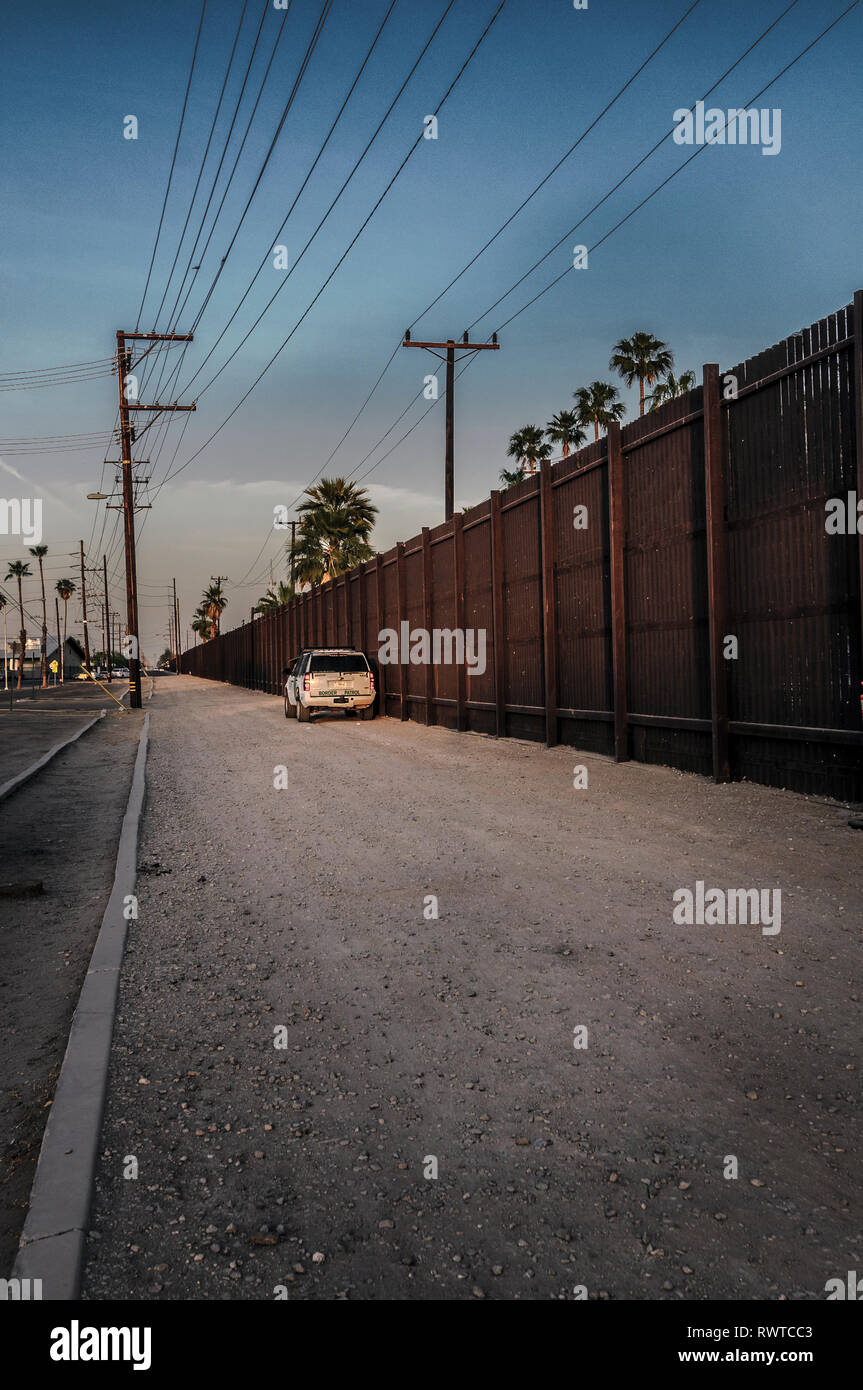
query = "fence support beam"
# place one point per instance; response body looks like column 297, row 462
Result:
column 617, row 539
column 382, row 670
column 427, row 619
column 717, row 569
column 498, row 614
column 858, row 427
column 364, row 637
column 401, row 591
column 458, row 596
column 549, row 607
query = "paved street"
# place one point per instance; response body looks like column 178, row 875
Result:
column 58, row 846
column 412, row 1038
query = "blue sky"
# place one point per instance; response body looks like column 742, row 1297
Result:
column 736, row 253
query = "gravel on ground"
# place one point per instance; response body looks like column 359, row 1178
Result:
column 348, row 1056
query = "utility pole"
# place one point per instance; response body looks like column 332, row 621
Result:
column 293, row 543
column 124, row 369
column 84, row 610
column 177, row 623
column 218, row 579
column 60, row 652
column 108, row 662
column 449, row 347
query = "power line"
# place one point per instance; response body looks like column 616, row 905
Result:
column 307, row 57
column 201, row 171
column 719, row 80
column 583, row 136
column 313, row 166
column 509, row 220
column 672, row 175
column 621, row 222
column 175, row 312
column 173, row 163
column 344, row 255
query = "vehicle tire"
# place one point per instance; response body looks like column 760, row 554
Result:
column 368, row 713
column 290, row 712
column 304, row 713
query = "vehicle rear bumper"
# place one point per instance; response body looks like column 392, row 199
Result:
column 333, row 702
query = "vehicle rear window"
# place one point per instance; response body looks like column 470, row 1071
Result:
column 351, row 661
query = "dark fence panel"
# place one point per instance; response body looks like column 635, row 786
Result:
column 669, row 593
column 583, row 605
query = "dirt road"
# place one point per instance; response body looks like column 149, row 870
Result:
column 307, row 1169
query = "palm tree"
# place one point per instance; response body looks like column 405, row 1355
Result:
column 276, row 598
column 202, row 623
column 598, row 404
column 510, row 476
column 65, row 588
column 214, row 604
column 672, row 386
column 334, row 530
column 643, row 358
column 40, row 551
column 19, row 569
column 565, row 430
column 529, row 447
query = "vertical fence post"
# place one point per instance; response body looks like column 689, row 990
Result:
column 402, row 613
column 617, row 538
column 496, row 522
column 349, row 621
column 364, row 637
column 459, row 597
column 857, row 360
column 379, row 598
column 549, row 605
column 717, row 569
column 428, row 620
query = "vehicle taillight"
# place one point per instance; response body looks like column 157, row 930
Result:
column 371, row 680
column 307, row 682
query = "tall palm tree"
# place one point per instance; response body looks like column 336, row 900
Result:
column 598, row 404
column 19, row 569
column 529, row 447
column 337, row 519
column 214, row 603
column 641, row 358
column 672, row 386
column 65, row 588
column 40, row 551
column 565, row 430
column 274, row 599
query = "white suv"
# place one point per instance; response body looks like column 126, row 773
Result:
column 329, row 678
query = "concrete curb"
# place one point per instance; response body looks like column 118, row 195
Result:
column 15, row 782
column 53, row 1240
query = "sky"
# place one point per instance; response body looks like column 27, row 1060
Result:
column 737, row 252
